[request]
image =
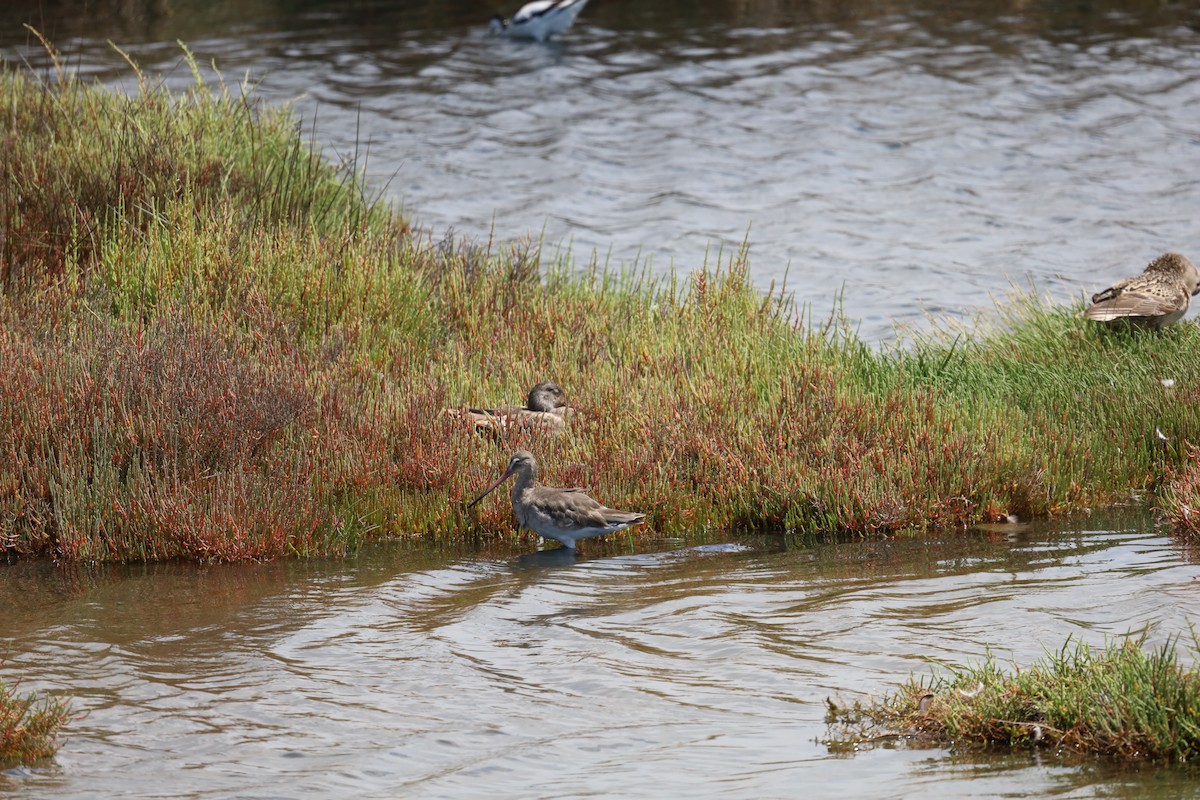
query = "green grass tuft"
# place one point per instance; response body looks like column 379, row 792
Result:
column 1123, row 701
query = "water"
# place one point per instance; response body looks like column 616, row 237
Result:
column 697, row 671
column 923, row 156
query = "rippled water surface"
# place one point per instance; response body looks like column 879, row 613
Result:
column 922, row 155
column 699, row 671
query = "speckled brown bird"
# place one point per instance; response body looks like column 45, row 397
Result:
column 1153, row 299
column 564, row 515
column 545, row 410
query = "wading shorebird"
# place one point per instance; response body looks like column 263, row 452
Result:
column 1155, row 298
column 545, row 409
column 564, row 515
column 538, row 20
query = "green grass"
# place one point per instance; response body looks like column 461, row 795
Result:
column 29, row 725
column 1123, row 701
column 214, row 345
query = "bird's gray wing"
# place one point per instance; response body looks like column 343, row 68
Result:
column 573, row 506
column 614, row 517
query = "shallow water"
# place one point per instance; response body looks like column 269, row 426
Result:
column 922, row 155
column 697, row 671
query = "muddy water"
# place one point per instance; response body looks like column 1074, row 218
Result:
column 696, row 671
column 921, row 155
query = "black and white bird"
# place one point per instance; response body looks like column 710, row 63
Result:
column 539, row 20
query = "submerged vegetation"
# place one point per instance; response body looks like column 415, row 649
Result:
column 1123, row 701
column 29, row 725
column 215, row 345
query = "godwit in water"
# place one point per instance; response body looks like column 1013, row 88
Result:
column 539, row 20
column 545, row 409
column 565, row 515
column 1153, row 299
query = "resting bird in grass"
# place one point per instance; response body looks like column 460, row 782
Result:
column 1155, row 298
column 539, row 20
column 545, row 410
column 564, row 515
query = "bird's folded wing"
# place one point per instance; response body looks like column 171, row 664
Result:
column 573, row 508
column 1132, row 304
column 614, row 517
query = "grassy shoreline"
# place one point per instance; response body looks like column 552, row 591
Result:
column 214, row 346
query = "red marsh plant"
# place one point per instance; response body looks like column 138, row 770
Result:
column 154, row 442
column 29, row 725
column 1180, row 500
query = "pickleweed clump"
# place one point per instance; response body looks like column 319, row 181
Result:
column 29, row 725
column 1179, row 500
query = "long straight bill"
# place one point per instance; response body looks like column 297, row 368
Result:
column 507, row 474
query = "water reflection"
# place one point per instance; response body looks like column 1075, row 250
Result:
column 542, row 559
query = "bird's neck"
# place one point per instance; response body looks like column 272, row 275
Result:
column 525, row 480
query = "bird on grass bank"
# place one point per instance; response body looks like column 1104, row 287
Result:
column 564, row 515
column 545, row 410
column 538, row 20
column 1154, row 299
